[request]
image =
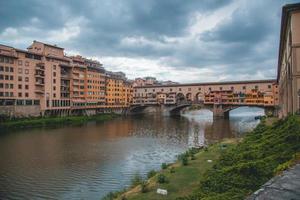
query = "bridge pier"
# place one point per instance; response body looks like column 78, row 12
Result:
column 219, row 112
column 271, row 111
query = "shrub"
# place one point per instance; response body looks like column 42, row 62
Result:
column 184, row 161
column 144, row 188
column 193, row 157
column 151, row 173
column 164, row 166
column 124, row 198
column 161, row 178
column 136, row 180
column 172, row 170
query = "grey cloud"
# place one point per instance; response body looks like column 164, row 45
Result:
column 236, row 45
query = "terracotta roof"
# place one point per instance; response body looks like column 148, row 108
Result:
column 211, row 83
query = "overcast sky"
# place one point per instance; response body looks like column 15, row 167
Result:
column 178, row 40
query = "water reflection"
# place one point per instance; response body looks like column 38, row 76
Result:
column 87, row 162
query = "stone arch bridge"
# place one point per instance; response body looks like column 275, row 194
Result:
column 218, row 110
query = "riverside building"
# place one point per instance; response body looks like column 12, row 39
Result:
column 42, row 80
column 288, row 76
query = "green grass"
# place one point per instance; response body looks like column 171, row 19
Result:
column 243, row 169
column 53, row 121
column 236, row 171
column 180, row 179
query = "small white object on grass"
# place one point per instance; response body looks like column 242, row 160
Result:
column 209, row 160
column 162, row 191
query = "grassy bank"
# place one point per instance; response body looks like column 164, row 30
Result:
column 53, row 121
column 235, row 171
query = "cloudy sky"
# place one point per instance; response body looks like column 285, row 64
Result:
column 178, row 40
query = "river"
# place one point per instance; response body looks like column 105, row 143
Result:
column 86, row 162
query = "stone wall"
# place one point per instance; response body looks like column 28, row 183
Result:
column 20, row 111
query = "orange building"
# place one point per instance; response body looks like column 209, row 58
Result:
column 118, row 90
column 43, row 80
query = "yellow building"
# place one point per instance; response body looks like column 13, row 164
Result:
column 118, row 90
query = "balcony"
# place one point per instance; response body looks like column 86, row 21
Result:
column 40, row 66
column 65, row 76
column 40, row 83
column 39, row 73
column 39, row 91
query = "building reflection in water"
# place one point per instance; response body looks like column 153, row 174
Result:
column 86, row 162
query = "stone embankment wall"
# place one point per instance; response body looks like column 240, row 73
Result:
column 20, row 111
column 281, row 187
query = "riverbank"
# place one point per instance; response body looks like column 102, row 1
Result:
column 236, row 169
column 53, row 121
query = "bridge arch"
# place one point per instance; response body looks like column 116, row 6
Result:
column 189, row 96
column 199, row 97
column 180, row 98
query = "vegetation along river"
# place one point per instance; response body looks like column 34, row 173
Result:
column 87, row 162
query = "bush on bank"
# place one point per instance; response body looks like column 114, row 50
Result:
column 243, row 169
column 53, row 121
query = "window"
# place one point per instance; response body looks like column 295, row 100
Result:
column 20, row 78
column 28, row 102
column 1, row 68
column 221, row 88
column 11, row 86
column 54, row 67
column 256, row 87
column 20, row 70
column 1, row 76
column 11, row 94
column 269, row 86
column 11, row 78
column 26, row 79
column 20, row 94
column 26, row 63
column 20, row 62
column 6, row 69
column 232, row 88
column 54, row 80
column 36, row 102
column 26, row 94
column 54, row 74
column 20, row 86
column 244, row 87
column 6, row 85
column 54, row 95
column 26, row 71
column 1, row 85
column 11, row 69
column 26, row 87
column 54, row 88
column 6, row 77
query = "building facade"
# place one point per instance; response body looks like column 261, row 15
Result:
column 118, row 90
column 288, row 76
column 43, row 80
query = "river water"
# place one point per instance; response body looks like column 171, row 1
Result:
column 86, row 162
